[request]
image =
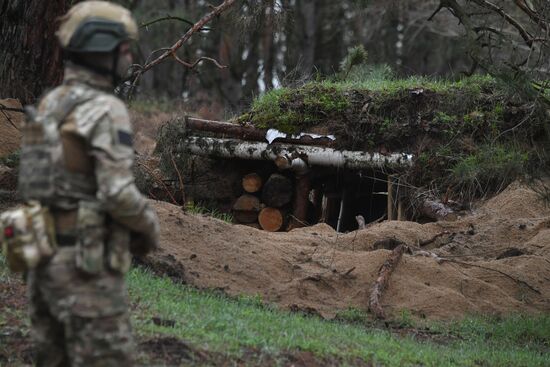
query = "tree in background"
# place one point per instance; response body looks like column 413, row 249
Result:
column 30, row 57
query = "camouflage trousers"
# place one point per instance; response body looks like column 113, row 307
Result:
column 78, row 320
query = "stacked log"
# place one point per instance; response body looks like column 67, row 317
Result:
column 246, row 209
column 264, row 203
column 252, row 183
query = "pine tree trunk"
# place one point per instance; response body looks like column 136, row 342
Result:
column 30, row 56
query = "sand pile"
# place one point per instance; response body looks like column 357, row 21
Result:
column 318, row 270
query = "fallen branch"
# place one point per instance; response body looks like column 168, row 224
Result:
column 432, row 239
column 158, row 180
column 519, row 281
column 11, row 109
column 382, row 281
column 245, row 132
column 436, row 257
column 182, row 188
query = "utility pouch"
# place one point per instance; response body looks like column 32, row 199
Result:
column 91, row 238
column 28, row 236
column 119, row 258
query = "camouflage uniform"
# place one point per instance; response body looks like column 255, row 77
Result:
column 81, row 319
column 78, row 297
column 76, row 160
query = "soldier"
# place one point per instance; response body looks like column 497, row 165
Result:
column 79, row 168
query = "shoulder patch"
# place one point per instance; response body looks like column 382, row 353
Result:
column 124, row 138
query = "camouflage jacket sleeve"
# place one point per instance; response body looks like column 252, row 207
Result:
column 105, row 124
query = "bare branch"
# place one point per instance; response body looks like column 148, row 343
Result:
column 203, row 58
column 528, row 38
column 170, row 52
column 170, row 17
column 531, row 13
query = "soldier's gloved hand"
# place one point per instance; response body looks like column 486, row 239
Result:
column 143, row 243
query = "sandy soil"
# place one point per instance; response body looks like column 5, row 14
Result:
column 506, row 241
column 10, row 122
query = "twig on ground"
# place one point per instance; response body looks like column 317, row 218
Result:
column 519, row 281
column 3, row 109
column 179, row 178
column 432, row 239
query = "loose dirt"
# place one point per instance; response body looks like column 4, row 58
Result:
column 506, row 240
column 10, row 123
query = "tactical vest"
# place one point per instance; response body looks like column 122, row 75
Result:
column 43, row 174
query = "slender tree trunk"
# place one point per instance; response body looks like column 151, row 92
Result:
column 30, row 56
column 269, row 46
column 309, row 18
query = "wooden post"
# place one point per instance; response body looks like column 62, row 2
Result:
column 318, row 204
column 400, row 210
column 301, row 195
column 325, row 209
column 390, row 198
column 343, row 208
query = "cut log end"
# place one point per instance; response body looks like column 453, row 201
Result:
column 252, row 183
column 277, row 191
column 246, row 209
column 271, row 219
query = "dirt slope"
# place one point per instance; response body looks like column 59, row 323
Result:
column 10, row 122
column 311, row 269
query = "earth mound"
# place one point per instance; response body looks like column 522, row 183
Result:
column 10, row 123
column 498, row 261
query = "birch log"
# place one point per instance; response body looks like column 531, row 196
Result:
column 315, row 156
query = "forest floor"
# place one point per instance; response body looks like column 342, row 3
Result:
column 179, row 325
column 222, row 294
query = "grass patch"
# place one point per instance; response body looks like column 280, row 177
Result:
column 232, row 326
column 197, row 208
column 491, row 166
column 478, row 128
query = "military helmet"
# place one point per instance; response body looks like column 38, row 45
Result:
column 96, row 26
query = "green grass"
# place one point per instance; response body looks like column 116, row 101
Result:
column 196, row 208
column 213, row 322
column 491, row 166
column 231, row 326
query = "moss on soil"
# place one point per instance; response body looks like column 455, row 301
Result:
column 451, row 127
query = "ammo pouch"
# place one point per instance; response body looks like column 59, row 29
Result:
column 119, row 258
column 90, row 241
column 28, row 236
column 100, row 243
